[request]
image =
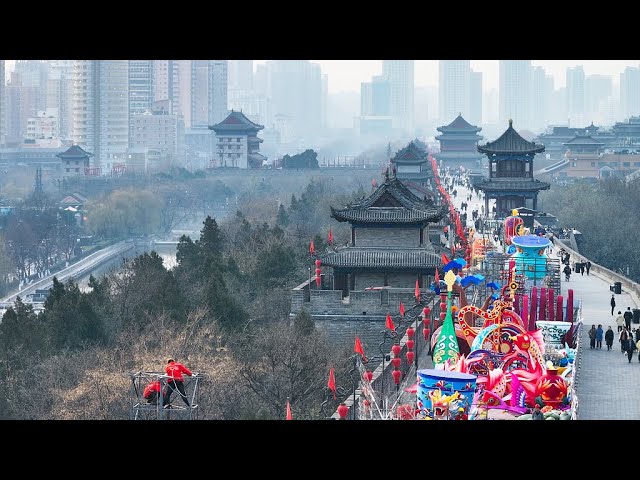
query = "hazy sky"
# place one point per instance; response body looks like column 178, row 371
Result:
column 346, row 75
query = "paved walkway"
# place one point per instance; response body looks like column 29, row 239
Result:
column 606, row 383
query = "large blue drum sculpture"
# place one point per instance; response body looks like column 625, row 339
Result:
column 530, row 256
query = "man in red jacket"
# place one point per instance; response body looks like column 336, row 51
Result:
column 151, row 392
column 176, row 381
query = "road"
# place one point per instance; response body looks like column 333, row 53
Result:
column 76, row 270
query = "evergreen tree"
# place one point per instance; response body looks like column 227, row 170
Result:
column 282, row 218
column 211, row 239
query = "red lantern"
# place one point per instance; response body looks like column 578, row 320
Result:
column 396, row 349
column 426, row 311
column 318, row 263
column 366, row 403
column 426, row 333
column 410, row 333
column 410, row 344
column 410, row 357
column 443, row 315
column 318, row 280
column 396, row 376
column 396, row 361
column 318, row 272
column 343, row 410
column 367, row 375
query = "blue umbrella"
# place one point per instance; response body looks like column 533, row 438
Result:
column 494, row 285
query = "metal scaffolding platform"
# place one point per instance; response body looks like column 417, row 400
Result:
column 176, row 409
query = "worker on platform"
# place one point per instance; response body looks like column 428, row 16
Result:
column 175, row 381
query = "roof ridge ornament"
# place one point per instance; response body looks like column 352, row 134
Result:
column 510, row 123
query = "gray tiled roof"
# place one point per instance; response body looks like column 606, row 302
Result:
column 524, row 184
column 412, row 153
column 359, row 257
column 510, row 142
column 408, row 207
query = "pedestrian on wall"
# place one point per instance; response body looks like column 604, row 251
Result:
column 592, row 337
column 613, row 302
column 588, row 267
column 631, row 346
column 620, row 321
column 599, row 336
column 622, row 338
column 608, row 337
column 628, row 316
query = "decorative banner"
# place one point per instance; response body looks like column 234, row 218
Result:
column 559, row 305
column 389, row 323
column 446, row 347
column 533, row 306
column 550, row 304
column 569, row 316
column 542, row 311
column 553, row 332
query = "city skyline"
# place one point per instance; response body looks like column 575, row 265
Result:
column 347, row 75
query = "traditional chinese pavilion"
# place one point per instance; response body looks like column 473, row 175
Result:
column 510, row 180
column 75, row 161
column 389, row 250
column 411, row 167
column 458, row 145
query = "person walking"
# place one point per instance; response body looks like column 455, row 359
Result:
column 613, row 302
column 174, row 371
column 623, row 340
column 592, row 337
column 599, row 335
column 608, row 337
column 628, row 316
column 619, row 321
column 631, row 346
column 567, row 272
column 588, row 266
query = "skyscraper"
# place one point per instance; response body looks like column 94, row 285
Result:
column 2, row 110
column 630, row 92
column 59, row 94
column 218, row 84
column 241, row 74
column 101, row 109
column 597, row 93
column 575, row 91
column 455, row 90
column 515, row 99
column 399, row 74
column 141, row 91
column 475, row 98
column 541, row 90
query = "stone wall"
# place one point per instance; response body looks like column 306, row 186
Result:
column 387, row 236
column 402, row 280
column 366, row 279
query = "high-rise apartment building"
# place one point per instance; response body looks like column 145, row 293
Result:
column 399, row 74
column 515, row 100
column 101, row 110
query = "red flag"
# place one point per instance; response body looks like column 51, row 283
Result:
column 389, row 323
column 401, row 308
column 417, row 293
column 330, row 236
column 444, row 258
column 289, row 416
column 358, row 349
column 312, row 248
column 332, row 383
